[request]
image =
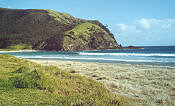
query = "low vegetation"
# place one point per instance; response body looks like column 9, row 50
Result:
column 26, row 83
column 87, row 36
column 19, row 47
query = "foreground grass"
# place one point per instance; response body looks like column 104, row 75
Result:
column 23, row 82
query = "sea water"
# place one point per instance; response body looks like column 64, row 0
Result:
column 153, row 55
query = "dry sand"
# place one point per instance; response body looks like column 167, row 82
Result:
column 153, row 84
column 18, row 51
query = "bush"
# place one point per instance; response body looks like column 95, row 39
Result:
column 28, row 80
column 19, row 47
column 21, row 69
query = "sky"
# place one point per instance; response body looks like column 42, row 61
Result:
column 133, row 22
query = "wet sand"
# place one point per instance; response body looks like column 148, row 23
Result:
column 155, row 85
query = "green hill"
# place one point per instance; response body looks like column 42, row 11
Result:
column 26, row 83
column 49, row 30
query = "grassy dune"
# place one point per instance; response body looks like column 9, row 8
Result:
column 23, row 82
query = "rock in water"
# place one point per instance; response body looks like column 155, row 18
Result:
column 49, row 30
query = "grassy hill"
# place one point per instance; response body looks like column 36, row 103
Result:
column 48, row 30
column 26, row 83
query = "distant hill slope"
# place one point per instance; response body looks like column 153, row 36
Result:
column 49, row 30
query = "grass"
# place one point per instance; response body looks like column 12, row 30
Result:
column 62, row 17
column 17, row 47
column 26, row 83
column 85, row 29
column 20, row 47
column 87, row 36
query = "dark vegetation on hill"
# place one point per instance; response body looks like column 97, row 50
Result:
column 49, row 30
column 26, row 83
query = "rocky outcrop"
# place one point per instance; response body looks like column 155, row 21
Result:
column 50, row 30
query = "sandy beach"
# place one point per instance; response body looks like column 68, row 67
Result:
column 155, row 85
column 12, row 51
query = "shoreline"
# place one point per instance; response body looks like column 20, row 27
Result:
column 122, row 48
column 153, row 84
column 6, row 51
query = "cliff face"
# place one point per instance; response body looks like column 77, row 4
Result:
column 50, row 30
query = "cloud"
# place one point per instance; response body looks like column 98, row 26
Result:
column 121, row 27
column 143, row 23
column 9, row 6
column 146, row 32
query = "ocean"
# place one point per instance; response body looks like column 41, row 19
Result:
column 151, row 55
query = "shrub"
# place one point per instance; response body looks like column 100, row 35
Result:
column 21, row 69
column 28, row 80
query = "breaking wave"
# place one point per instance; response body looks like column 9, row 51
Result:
column 94, row 59
column 127, row 54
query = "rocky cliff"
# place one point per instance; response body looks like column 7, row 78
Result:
column 49, row 30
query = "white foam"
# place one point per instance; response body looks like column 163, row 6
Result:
column 95, row 59
column 19, row 51
column 126, row 54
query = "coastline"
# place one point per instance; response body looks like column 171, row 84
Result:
column 7, row 51
column 153, row 84
column 119, row 48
